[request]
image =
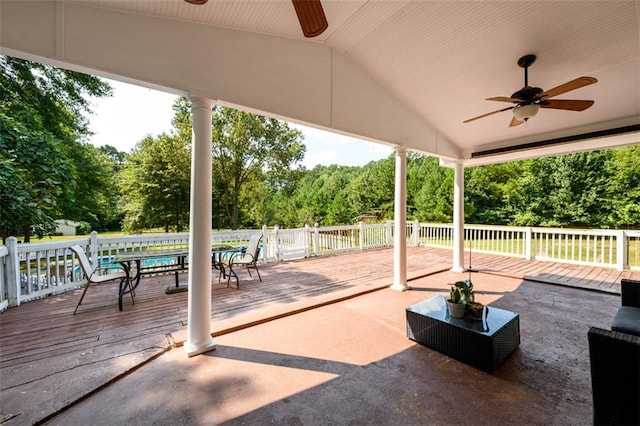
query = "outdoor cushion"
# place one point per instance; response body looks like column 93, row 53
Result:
column 627, row 320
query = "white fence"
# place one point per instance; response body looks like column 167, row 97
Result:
column 617, row 249
column 30, row 271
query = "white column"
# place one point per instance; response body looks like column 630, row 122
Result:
column 199, row 338
column 458, row 218
column 400, row 223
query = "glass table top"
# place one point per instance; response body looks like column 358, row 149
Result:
column 493, row 319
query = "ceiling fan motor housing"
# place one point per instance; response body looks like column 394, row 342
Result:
column 527, row 93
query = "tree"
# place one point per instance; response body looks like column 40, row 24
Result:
column 323, row 196
column 246, row 148
column 155, row 183
column 253, row 157
column 372, row 189
column 42, row 126
column 32, row 172
column 431, row 190
column 623, row 188
column 488, row 191
column 567, row 190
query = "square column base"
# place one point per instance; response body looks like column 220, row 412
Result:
column 193, row 350
column 400, row 287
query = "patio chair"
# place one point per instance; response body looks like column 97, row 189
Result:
column 247, row 258
column 615, row 363
column 97, row 275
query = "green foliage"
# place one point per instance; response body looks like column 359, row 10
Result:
column 372, row 189
column 249, row 149
column 92, row 193
column 623, row 188
column 32, row 174
column 455, row 295
column 430, row 190
column 252, row 162
column 462, row 292
column 155, row 184
column 566, row 191
column 489, row 189
column 83, row 228
column 42, row 154
column 590, row 189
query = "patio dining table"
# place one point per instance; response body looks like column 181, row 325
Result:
column 139, row 263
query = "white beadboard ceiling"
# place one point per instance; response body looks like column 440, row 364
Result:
column 443, row 58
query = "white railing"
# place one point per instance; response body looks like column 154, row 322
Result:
column 502, row 240
column 597, row 248
column 436, row 235
column 40, row 269
column 632, row 249
column 30, row 271
column 617, row 249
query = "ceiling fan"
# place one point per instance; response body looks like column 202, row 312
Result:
column 310, row 15
column 528, row 100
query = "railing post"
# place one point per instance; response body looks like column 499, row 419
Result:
column 415, row 235
column 93, row 249
column 621, row 250
column 276, row 243
column 361, row 234
column 265, row 246
column 13, row 272
column 307, row 240
column 316, row 241
column 528, row 241
column 388, row 228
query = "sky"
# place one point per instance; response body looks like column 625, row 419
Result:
column 134, row 112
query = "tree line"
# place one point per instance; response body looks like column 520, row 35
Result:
column 48, row 171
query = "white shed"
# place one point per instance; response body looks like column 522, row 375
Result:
column 66, row 227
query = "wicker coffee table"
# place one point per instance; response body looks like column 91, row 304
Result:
column 483, row 343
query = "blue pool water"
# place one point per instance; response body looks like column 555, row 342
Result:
column 108, row 262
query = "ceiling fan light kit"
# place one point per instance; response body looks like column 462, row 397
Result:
column 528, row 100
column 525, row 112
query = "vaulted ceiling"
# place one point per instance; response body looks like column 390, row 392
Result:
column 432, row 61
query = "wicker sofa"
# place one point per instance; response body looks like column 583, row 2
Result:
column 615, row 363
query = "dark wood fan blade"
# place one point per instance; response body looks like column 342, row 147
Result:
column 198, row 2
column 505, row 99
column 567, row 87
column 488, row 114
column 568, row 104
column 311, row 17
column 515, row 122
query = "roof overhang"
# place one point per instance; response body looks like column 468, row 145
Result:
column 399, row 73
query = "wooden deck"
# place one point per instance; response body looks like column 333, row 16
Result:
column 45, row 350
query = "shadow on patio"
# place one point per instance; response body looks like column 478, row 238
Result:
column 351, row 363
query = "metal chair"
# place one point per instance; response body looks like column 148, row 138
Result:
column 96, row 275
column 247, row 258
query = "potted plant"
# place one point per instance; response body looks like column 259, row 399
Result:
column 455, row 302
column 462, row 298
column 474, row 308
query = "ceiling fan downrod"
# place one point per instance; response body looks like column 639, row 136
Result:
column 525, row 62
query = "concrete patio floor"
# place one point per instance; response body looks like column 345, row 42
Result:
column 351, row 363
